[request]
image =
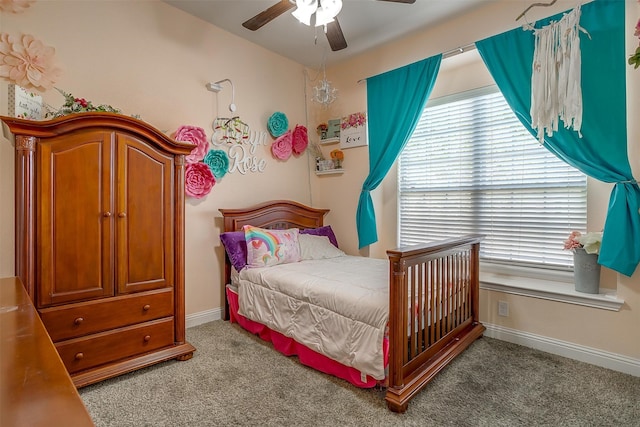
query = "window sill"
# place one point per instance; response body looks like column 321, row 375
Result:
column 554, row 290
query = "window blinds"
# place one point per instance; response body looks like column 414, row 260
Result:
column 470, row 167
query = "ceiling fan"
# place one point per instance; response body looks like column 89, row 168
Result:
column 332, row 27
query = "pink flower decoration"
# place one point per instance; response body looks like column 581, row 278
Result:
column 572, row 242
column 637, row 33
column 300, row 139
column 353, row 120
column 282, row 147
column 198, row 180
column 193, row 135
column 27, row 62
column 15, row 6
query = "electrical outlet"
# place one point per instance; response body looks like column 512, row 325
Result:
column 503, row 308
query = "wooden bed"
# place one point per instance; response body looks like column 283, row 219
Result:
column 433, row 297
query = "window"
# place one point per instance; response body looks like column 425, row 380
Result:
column 471, row 167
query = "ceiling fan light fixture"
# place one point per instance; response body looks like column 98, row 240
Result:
column 323, row 17
column 324, row 10
column 333, row 7
column 304, row 10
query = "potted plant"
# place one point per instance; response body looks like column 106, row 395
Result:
column 337, row 156
column 586, row 270
column 322, row 130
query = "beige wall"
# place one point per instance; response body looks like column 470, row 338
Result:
column 150, row 59
column 616, row 332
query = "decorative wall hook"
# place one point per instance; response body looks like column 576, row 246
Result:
column 217, row 87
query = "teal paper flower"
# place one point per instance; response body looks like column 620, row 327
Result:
column 218, row 162
column 277, row 124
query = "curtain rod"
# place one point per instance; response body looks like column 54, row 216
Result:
column 458, row 50
column 445, row 55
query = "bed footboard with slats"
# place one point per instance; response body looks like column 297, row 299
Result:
column 433, row 312
column 433, row 292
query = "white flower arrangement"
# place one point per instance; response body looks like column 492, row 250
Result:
column 590, row 241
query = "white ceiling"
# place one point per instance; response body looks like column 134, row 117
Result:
column 365, row 24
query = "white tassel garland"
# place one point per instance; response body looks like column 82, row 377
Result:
column 556, row 90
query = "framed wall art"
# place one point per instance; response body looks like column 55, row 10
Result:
column 353, row 130
column 24, row 104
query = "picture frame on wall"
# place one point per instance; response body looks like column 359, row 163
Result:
column 353, row 130
column 333, row 130
column 24, row 104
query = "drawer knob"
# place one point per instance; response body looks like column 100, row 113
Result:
column 79, row 356
column 147, row 338
column 146, row 307
column 106, row 214
column 78, row 321
column 122, row 214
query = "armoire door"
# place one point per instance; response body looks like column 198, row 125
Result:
column 74, row 220
column 145, row 216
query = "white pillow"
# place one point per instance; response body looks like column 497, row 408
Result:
column 317, row 247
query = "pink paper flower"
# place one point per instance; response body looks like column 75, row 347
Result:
column 198, row 180
column 27, row 62
column 300, row 139
column 572, row 242
column 15, row 6
column 193, row 135
column 282, row 147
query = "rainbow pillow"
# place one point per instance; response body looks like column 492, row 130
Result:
column 271, row 247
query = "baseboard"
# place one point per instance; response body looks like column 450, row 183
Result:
column 201, row 317
column 590, row 355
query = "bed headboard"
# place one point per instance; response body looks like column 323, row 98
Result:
column 277, row 214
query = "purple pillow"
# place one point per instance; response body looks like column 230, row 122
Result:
column 322, row 231
column 236, row 247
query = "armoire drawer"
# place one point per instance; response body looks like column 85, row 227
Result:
column 84, row 318
column 94, row 350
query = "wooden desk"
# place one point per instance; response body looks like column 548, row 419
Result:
column 35, row 388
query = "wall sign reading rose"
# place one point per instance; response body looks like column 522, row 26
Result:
column 241, row 143
column 230, row 130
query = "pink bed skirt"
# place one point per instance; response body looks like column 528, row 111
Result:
column 308, row 357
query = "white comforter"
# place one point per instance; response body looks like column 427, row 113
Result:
column 338, row 307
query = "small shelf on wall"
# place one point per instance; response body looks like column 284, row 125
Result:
column 329, row 141
column 338, row 171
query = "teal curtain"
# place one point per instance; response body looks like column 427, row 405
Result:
column 602, row 151
column 395, row 101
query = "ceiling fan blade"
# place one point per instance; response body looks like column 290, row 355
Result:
column 401, row 1
column 268, row 15
column 335, row 37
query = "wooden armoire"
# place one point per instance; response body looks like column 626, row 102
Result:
column 99, row 207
